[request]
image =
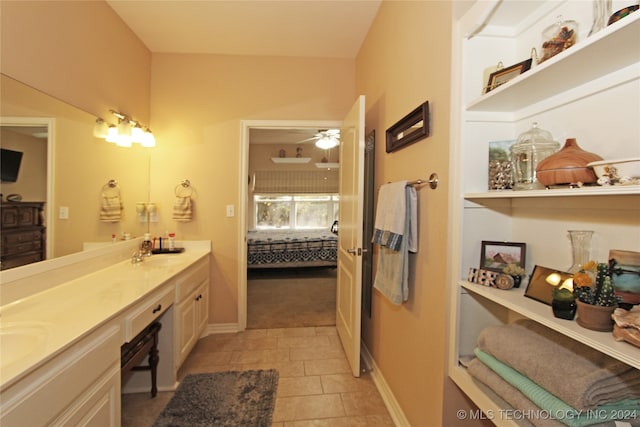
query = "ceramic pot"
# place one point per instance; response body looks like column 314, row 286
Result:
column 564, row 309
column 595, row 317
column 567, row 166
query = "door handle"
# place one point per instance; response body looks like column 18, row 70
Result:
column 356, row 251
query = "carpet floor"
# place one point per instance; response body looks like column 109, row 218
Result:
column 289, row 298
column 223, row 399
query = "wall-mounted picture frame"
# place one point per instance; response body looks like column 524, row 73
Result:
column 411, row 128
column 495, row 256
column 500, row 77
column 542, row 283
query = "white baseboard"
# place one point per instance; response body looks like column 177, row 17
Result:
column 395, row 411
column 220, row 328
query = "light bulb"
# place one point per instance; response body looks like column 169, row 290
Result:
column 148, row 139
column 137, row 133
column 100, row 129
column 124, row 128
column 112, row 134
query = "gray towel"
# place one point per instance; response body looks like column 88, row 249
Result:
column 519, row 401
column 577, row 374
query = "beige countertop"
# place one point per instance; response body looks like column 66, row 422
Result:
column 36, row 328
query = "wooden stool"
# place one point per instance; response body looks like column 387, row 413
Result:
column 134, row 352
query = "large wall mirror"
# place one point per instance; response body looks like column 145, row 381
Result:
column 68, row 169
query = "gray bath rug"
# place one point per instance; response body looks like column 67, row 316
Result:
column 223, row 399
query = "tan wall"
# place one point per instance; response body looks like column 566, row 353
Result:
column 198, row 102
column 32, row 176
column 405, row 60
column 77, row 51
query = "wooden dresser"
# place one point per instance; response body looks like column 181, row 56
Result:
column 23, row 233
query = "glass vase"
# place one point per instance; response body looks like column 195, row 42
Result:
column 601, row 14
column 580, row 248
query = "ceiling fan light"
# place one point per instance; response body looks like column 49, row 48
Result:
column 326, row 143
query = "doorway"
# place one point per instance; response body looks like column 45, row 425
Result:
column 319, row 282
column 34, row 138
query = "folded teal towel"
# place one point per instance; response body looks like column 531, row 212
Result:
column 627, row 408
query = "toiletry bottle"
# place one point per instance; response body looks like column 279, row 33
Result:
column 172, row 241
column 145, row 249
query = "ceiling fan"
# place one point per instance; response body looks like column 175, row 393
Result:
column 325, row 138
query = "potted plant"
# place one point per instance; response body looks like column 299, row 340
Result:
column 516, row 272
column 563, row 303
column 596, row 301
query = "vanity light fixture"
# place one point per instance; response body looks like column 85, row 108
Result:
column 127, row 132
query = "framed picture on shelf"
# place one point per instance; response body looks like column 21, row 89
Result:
column 500, row 77
column 542, row 283
column 495, row 256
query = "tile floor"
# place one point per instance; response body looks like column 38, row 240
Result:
column 315, row 389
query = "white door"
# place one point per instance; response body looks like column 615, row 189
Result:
column 349, row 286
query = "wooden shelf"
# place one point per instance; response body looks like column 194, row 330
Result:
column 291, row 160
column 327, row 165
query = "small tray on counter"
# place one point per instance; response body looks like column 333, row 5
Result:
column 167, row 251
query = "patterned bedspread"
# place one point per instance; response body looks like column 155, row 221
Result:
column 291, row 248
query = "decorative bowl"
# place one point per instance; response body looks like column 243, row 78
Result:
column 622, row 13
column 620, row 171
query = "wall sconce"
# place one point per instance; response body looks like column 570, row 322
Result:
column 127, row 131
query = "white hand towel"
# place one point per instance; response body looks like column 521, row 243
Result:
column 392, row 273
column 389, row 225
column 111, row 208
column 182, row 209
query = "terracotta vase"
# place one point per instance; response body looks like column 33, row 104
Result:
column 567, row 166
column 595, row 317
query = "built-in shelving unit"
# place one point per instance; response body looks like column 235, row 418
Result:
column 589, row 92
column 291, row 160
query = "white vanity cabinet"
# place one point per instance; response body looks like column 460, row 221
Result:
column 81, row 386
column 590, row 92
column 192, row 309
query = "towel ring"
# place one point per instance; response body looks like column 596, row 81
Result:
column 111, row 189
column 184, row 189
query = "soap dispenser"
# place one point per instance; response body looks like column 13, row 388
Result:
column 145, row 248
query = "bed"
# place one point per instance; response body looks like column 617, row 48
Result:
column 291, row 248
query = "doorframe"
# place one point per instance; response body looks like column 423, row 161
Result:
column 245, row 127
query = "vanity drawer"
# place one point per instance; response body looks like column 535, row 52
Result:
column 190, row 280
column 146, row 312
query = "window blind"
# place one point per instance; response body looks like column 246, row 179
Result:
column 295, row 182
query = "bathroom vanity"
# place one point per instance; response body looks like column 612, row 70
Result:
column 61, row 346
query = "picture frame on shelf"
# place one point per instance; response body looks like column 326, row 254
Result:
column 502, row 76
column 495, row 256
column 542, row 283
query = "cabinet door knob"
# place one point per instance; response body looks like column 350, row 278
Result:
column 157, row 309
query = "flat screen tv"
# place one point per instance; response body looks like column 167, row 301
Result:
column 9, row 165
